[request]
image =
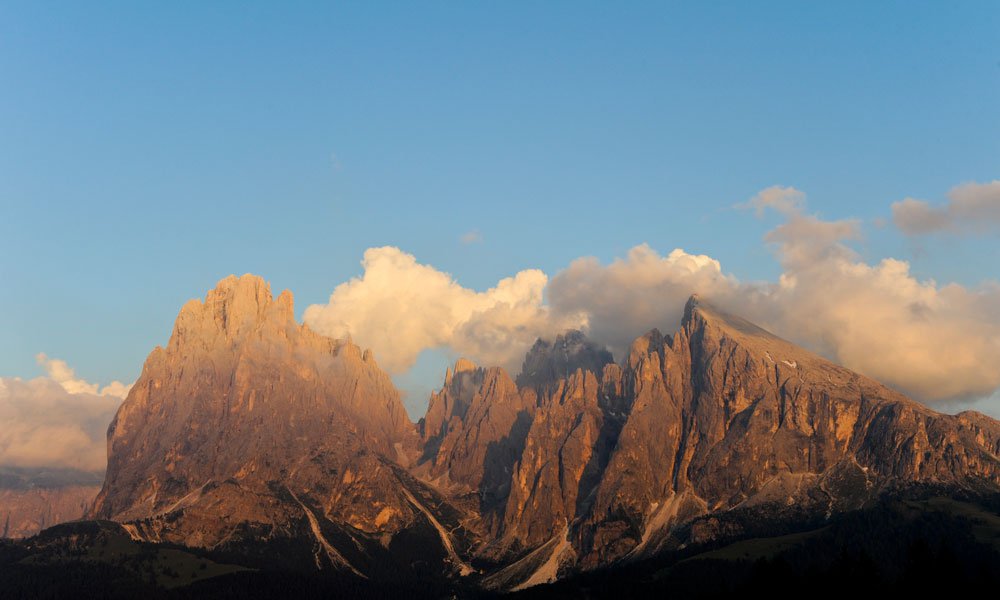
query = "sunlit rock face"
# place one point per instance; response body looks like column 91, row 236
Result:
column 723, row 414
column 547, row 363
column 248, row 426
column 720, row 415
column 33, row 499
column 473, row 434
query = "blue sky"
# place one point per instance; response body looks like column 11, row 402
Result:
column 148, row 150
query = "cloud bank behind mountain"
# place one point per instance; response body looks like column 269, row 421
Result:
column 56, row 421
column 933, row 341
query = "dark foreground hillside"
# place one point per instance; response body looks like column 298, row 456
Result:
column 920, row 544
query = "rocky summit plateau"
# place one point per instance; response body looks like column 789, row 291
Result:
column 254, row 443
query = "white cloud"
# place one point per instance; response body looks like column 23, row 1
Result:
column 400, row 307
column 56, row 421
column 785, row 200
column 630, row 296
column 805, row 241
column 918, row 217
column 971, row 207
column 935, row 342
column 471, row 237
column 65, row 376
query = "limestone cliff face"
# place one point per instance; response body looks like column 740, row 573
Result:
column 725, row 414
column 25, row 512
column 249, row 422
column 560, row 456
column 548, row 362
column 473, row 445
column 32, row 499
column 484, row 433
column 249, row 426
column 718, row 416
column 448, row 407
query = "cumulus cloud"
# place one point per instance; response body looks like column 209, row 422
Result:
column 933, row 341
column 805, row 241
column 626, row 298
column 971, row 207
column 785, row 200
column 61, row 373
column 399, row 307
column 56, row 421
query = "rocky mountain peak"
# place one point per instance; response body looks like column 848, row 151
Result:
column 251, row 425
column 462, row 365
column 699, row 313
column 452, row 401
column 549, row 361
column 712, row 331
column 234, row 308
column 652, row 341
column 244, row 394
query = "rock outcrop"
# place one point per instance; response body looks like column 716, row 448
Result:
column 248, row 426
column 725, row 414
column 33, row 499
column 549, row 362
column 471, row 448
column 622, row 461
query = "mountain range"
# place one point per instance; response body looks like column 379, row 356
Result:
column 254, row 441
